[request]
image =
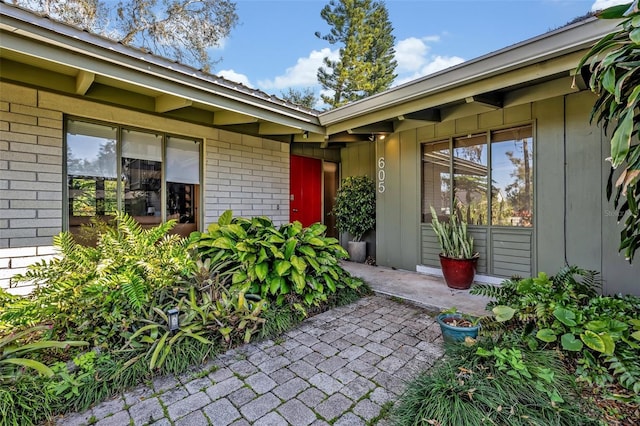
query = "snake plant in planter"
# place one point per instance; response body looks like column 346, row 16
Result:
column 457, row 259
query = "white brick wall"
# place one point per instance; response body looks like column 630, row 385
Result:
column 248, row 175
column 30, row 169
column 15, row 261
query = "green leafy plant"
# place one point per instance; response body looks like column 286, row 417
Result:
column 355, row 207
column 565, row 312
column 455, row 241
column 614, row 78
column 94, row 293
column 14, row 351
column 489, row 385
column 289, row 264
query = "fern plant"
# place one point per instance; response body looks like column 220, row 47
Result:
column 95, row 293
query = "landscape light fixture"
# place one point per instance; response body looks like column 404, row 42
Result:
column 174, row 321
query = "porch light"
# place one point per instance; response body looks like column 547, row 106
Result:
column 174, row 321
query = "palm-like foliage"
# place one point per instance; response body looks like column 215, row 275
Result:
column 615, row 78
column 98, row 291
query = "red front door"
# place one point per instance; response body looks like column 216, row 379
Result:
column 305, row 203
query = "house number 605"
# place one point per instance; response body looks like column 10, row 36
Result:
column 381, row 175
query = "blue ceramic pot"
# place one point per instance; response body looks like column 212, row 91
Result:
column 452, row 334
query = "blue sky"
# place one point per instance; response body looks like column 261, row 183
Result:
column 274, row 46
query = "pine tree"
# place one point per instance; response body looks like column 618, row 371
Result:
column 366, row 64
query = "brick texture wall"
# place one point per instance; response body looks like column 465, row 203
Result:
column 248, row 175
column 30, row 181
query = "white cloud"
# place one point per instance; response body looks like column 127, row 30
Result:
column 235, row 76
column 603, row 4
column 415, row 61
column 303, row 73
column 433, row 64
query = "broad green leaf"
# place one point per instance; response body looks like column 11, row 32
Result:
column 635, row 35
column 159, row 347
column 613, row 12
column 298, row 263
column 636, row 335
column 223, row 243
column 503, row 313
column 609, row 80
column 330, row 283
column 570, row 343
column 315, row 241
column 225, row 218
column 306, row 250
column 213, row 227
column 598, row 342
column 290, row 248
column 298, row 281
column 237, row 230
column 275, row 284
column 597, row 326
column 635, row 323
column 239, row 277
column 621, row 139
column 546, row 335
column 565, row 316
column 314, row 264
column 29, row 363
column 281, row 267
column 262, row 269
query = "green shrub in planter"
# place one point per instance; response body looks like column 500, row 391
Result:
column 290, row 263
column 355, row 208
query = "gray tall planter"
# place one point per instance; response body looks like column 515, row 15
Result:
column 357, row 251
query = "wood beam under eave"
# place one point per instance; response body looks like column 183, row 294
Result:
column 84, row 80
column 311, row 137
column 489, row 101
column 228, row 118
column 431, row 115
column 539, row 92
column 383, row 127
column 578, row 80
column 464, row 110
column 166, row 103
column 267, row 128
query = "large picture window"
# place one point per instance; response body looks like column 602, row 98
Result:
column 151, row 176
column 492, row 181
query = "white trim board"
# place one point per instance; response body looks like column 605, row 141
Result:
column 484, row 279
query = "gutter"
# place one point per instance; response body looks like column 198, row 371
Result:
column 563, row 41
column 41, row 30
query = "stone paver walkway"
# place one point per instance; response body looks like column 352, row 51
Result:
column 340, row 367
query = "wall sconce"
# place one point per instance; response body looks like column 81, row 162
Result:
column 305, row 134
column 174, row 321
column 372, row 138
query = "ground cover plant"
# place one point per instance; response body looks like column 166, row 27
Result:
column 97, row 323
column 483, row 384
column 554, row 352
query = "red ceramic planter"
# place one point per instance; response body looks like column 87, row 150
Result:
column 459, row 273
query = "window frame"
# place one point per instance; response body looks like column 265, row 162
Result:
column 119, row 183
column 487, row 132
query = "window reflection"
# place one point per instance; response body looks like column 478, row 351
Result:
column 436, row 179
column 142, row 176
column 91, row 172
column 512, row 177
column 470, row 178
column 183, row 177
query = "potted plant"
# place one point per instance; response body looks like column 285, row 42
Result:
column 355, row 212
column 457, row 327
column 457, row 259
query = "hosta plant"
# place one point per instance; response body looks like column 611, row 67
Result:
column 279, row 264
